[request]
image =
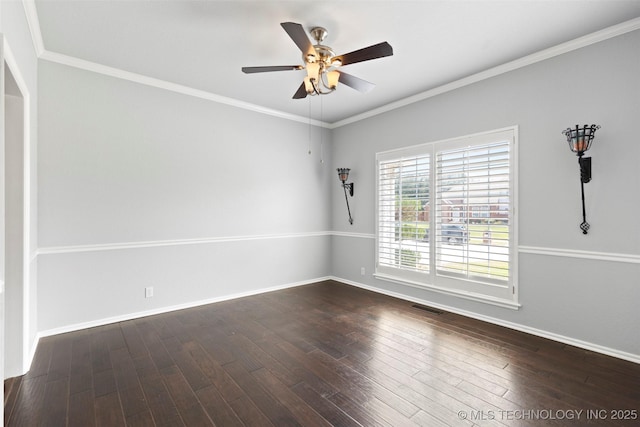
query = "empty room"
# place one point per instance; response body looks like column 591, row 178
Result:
column 320, row 213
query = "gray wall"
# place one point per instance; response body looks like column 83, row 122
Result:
column 143, row 187
column 582, row 289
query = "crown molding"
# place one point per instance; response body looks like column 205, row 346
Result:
column 42, row 53
column 584, row 41
column 34, row 26
column 580, row 42
column 72, row 61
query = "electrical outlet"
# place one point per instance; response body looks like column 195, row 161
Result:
column 362, row 271
column 148, row 292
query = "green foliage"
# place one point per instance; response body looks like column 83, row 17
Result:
column 414, row 230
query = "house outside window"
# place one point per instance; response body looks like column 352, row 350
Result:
column 446, row 216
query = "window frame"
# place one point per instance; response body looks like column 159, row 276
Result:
column 503, row 294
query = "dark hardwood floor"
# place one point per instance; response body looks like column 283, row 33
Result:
column 318, row 355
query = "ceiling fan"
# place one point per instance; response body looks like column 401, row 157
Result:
column 321, row 62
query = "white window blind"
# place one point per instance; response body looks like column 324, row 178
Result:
column 473, row 199
column 403, row 229
column 446, row 216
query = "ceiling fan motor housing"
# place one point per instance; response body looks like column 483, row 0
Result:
column 319, row 34
column 324, row 53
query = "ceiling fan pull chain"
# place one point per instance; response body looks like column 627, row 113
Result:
column 309, row 126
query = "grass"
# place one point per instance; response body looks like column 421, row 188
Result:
column 499, row 234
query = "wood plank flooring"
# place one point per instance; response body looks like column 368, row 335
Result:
column 326, row 354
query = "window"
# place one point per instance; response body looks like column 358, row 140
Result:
column 404, row 196
column 445, row 216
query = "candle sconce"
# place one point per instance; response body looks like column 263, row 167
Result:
column 580, row 139
column 343, row 175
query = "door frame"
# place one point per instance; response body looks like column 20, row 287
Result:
column 26, row 348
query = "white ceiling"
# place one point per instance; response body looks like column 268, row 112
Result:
column 203, row 44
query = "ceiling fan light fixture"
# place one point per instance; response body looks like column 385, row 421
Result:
column 320, row 61
column 332, row 79
column 313, row 69
column 308, row 86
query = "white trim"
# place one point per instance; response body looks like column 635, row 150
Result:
column 52, row 250
column 173, row 87
column 354, row 235
column 137, row 315
column 580, row 42
column 573, row 253
column 12, row 65
column 635, row 358
column 3, row 350
column 515, row 326
column 570, row 253
column 32, row 353
column 450, row 291
column 496, row 292
column 508, row 132
column 33, row 22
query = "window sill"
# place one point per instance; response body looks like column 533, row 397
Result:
column 505, row 303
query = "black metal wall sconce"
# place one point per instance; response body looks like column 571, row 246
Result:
column 580, row 139
column 343, row 175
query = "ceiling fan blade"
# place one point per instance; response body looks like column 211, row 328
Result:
column 301, row 92
column 355, row 82
column 250, row 70
column 379, row 50
column 299, row 37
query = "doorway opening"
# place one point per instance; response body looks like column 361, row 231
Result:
column 15, row 263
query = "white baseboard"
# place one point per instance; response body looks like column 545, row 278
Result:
column 32, row 353
column 167, row 309
column 635, row 358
